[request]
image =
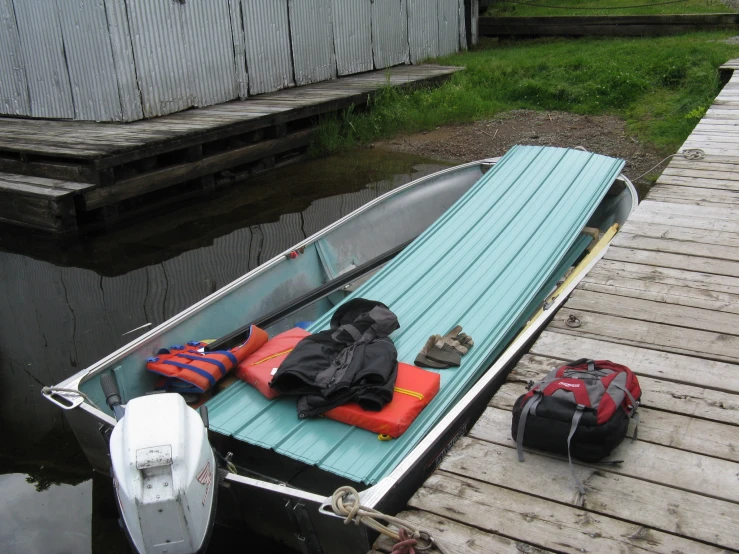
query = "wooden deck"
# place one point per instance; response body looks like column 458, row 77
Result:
column 195, row 150
column 664, row 301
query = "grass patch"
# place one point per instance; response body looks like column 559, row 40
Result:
column 660, row 86
column 596, row 7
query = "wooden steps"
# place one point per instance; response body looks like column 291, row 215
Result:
column 126, row 166
column 664, row 301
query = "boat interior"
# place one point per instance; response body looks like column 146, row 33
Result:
column 481, row 245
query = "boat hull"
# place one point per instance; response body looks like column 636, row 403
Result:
column 298, row 518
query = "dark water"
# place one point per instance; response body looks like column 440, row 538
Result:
column 64, row 305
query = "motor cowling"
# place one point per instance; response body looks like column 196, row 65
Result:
column 164, row 474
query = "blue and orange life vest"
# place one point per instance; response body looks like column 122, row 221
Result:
column 188, row 368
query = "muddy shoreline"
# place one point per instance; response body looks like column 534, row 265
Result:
column 494, row 137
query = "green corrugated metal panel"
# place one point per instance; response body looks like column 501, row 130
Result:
column 481, row 265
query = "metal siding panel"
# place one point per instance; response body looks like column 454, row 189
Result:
column 239, row 47
column 474, row 21
column 125, row 68
column 43, row 54
column 267, row 32
column 353, row 35
column 207, row 25
column 13, row 84
column 505, row 238
column 160, row 53
column 89, row 60
column 390, row 32
column 423, row 29
column 448, row 27
column 312, row 35
column 462, row 29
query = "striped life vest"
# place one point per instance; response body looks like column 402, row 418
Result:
column 189, row 369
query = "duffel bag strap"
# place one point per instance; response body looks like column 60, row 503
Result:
column 591, row 363
column 522, row 423
column 634, row 414
column 575, row 422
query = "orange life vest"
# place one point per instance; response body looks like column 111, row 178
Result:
column 189, row 369
column 414, row 389
column 258, row 368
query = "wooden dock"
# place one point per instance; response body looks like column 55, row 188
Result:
column 62, row 175
column 664, row 301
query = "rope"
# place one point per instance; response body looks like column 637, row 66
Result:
column 581, row 8
column 48, row 390
column 345, row 503
column 691, row 154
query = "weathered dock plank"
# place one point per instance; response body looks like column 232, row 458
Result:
column 122, row 167
column 664, row 300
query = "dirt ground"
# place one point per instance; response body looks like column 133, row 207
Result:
column 493, row 137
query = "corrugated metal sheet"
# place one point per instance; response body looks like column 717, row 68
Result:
column 122, row 49
column 210, row 49
column 113, row 60
column 423, row 29
column 267, row 31
column 13, row 85
column 390, row 32
column 502, row 242
column 160, row 50
column 474, row 20
column 448, row 27
column 43, row 58
column 239, row 46
column 311, row 29
column 462, row 29
column 353, row 35
column 89, row 58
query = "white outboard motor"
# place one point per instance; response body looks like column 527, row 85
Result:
column 164, row 472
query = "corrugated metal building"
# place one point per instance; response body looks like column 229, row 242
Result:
column 123, row 60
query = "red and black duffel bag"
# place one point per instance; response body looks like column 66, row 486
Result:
column 581, row 409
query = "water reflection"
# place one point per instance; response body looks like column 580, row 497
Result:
column 66, row 304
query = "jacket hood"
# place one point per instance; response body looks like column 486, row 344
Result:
column 364, row 315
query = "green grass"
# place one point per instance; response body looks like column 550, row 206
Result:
column 660, row 86
column 595, row 7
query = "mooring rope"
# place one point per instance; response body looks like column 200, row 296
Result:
column 345, row 503
column 691, row 154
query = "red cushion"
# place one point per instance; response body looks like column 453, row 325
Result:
column 258, row 368
column 414, row 389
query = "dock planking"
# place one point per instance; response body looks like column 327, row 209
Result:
column 664, row 300
column 121, row 166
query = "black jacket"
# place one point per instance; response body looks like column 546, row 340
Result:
column 354, row 361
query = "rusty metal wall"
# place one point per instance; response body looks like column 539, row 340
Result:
column 312, row 33
column 122, row 60
column 390, row 32
column 353, row 35
column 13, row 84
column 267, row 31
